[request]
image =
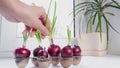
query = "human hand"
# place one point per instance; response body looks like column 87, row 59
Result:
column 32, row 16
column 36, row 19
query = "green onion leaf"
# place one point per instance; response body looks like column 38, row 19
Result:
column 38, row 36
column 52, row 29
column 69, row 35
column 38, row 33
column 48, row 13
column 25, row 37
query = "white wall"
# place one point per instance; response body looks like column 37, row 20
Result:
column 114, row 38
column 0, row 27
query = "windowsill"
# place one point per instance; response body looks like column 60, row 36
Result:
column 109, row 61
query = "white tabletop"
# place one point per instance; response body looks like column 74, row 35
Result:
column 109, row 61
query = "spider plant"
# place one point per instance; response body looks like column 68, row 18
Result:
column 115, row 4
column 95, row 11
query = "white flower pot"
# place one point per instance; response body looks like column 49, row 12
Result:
column 92, row 44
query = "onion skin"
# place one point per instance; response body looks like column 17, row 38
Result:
column 22, row 52
column 54, row 50
column 76, row 50
column 36, row 51
column 43, row 53
column 67, row 51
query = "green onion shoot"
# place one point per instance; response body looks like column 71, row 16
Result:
column 69, row 35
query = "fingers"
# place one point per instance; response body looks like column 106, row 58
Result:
column 32, row 32
column 42, row 36
column 44, row 18
column 46, row 22
column 38, row 25
column 37, row 20
column 27, row 29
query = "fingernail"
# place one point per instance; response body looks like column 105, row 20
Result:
column 31, row 35
column 47, row 33
column 24, row 33
column 43, row 37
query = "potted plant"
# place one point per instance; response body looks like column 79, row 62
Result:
column 95, row 39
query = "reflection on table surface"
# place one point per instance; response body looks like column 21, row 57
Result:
column 108, row 61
